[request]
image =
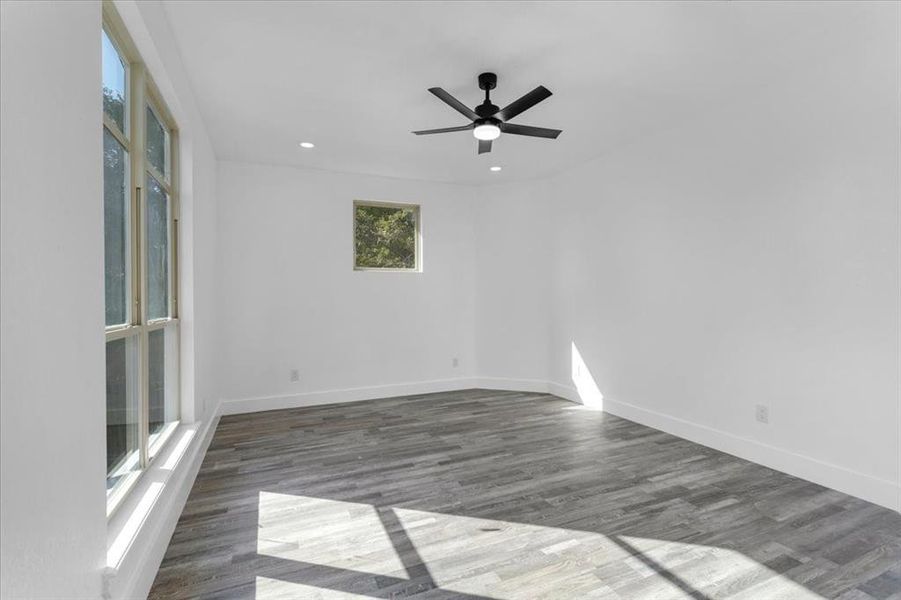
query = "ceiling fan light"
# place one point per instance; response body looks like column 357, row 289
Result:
column 486, row 132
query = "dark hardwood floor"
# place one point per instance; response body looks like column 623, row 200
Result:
column 486, row 494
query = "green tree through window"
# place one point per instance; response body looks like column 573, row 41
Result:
column 385, row 237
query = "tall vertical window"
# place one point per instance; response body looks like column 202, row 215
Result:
column 140, row 210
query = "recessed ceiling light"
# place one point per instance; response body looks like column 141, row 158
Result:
column 495, row 168
column 307, row 145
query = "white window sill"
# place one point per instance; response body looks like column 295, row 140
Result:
column 154, row 502
column 129, row 472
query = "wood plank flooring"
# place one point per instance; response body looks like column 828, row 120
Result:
column 484, row 494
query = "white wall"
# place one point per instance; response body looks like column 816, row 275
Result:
column 749, row 257
column 512, row 285
column 289, row 297
column 204, row 223
column 52, row 390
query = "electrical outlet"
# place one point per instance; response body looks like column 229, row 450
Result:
column 763, row 413
column 456, row 362
column 295, row 375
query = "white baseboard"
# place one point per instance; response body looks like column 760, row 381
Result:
column 567, row 392
column 135, row 574
column 262, row 403
column 538, row 386
column 878, row 491
column 246, row 405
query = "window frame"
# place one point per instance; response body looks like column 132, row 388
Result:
column 417, row 216
column 142, row 93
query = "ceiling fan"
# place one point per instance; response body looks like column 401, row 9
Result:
column 489, row 121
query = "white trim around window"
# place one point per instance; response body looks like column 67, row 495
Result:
column 141, row 213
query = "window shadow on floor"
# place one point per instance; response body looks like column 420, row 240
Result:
column 660, row 570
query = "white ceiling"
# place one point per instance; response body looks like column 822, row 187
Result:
column 353, row 77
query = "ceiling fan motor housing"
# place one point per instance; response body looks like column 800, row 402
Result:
column 487, row 81
column 486, row 109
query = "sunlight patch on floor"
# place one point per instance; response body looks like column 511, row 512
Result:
column 274, row 589
column 344, row 535
column 720, row 572
column 502, row 559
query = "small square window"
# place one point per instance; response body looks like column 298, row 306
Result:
column 386, row 236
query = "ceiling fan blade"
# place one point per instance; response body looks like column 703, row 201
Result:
column 445, row 130
column 530, row 131
column 484, row 146
column 454, row 103
column 525, row 103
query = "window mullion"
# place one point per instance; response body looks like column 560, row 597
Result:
column 158, row 176
column 173, row 261
column 115, row 333
column 175, row 222
column 140, row 250
column 114, row 130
